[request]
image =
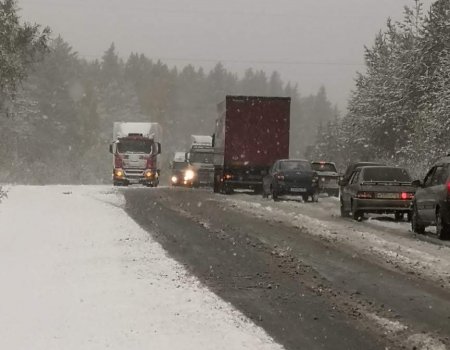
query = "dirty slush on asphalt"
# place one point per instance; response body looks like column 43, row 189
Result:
column 267, row 282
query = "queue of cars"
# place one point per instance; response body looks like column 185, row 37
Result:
column 369, row 187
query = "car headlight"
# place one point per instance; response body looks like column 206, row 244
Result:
column 174, row 179
column 189, row 175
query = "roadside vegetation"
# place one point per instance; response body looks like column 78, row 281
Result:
column 399, row 111
column 61, row 115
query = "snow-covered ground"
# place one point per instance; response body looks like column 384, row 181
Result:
column 388, row 241
column 77, row 273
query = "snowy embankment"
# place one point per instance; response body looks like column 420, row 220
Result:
column 388, row 242
column 78, row 273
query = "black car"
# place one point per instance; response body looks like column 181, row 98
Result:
column 377, row 189
column 328, row 177
column 431, row 205
column 291, row 177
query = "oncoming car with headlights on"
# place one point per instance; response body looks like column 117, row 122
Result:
column 185, row 177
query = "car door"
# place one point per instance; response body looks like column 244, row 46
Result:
column 354, row 184
column 424, row 199
column 347, row 191
column 438, row 187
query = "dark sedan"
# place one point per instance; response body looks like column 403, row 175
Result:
column 377, row 189
column 291, row 177
column 328, row 177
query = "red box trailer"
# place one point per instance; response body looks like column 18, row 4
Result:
column 251, row 133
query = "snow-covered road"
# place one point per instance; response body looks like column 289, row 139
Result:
column 77, row 273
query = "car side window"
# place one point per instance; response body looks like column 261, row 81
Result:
column 429, row 178
column 274, row 168
column 354, row 177
column 440, row 176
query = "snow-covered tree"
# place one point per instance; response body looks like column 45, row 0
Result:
column 20, row 46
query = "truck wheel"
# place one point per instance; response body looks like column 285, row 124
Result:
column 228, row 189
column 305, row 198
column 442, row 227
column 216, row 188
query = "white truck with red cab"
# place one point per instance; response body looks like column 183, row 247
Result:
column 135, row 149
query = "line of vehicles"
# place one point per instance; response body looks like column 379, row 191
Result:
column 250, row 150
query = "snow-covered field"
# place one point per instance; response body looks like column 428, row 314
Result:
column 388, row 241
column 78, row 273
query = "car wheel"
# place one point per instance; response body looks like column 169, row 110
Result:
column 344, row 213
column 416, row 225
column 399, row 216
column 357, row 215
column 409, row 216
column 275, row 196
column 442, row 228
column 315, row 197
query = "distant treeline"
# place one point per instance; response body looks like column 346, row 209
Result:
column 399, row 111
column 61, row 123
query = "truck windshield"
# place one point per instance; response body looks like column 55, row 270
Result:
column 295, row 165
column 385, row 174
column 134, row 146
column 201, row 157
column 324, row 167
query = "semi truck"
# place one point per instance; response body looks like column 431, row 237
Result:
column 251, row 133
column 200, row 158
column 135, row 149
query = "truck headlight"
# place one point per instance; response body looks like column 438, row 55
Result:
column 149, row 173
column 174, row 179
column 189, row 175
column 118, row 173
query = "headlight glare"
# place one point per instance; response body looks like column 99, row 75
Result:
column 189, row 175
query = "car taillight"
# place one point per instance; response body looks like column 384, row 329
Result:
column 364, row 195
column 406, row 195
column 118, row 162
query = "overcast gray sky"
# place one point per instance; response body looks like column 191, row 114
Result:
column 310, row 42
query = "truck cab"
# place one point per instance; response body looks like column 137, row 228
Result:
column 201, row 160
column 135, row 151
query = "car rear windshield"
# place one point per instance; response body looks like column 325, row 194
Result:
column 324, row 167
column 386, row 174
column 295, row 165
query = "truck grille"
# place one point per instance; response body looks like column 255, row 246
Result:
column 134, row 173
